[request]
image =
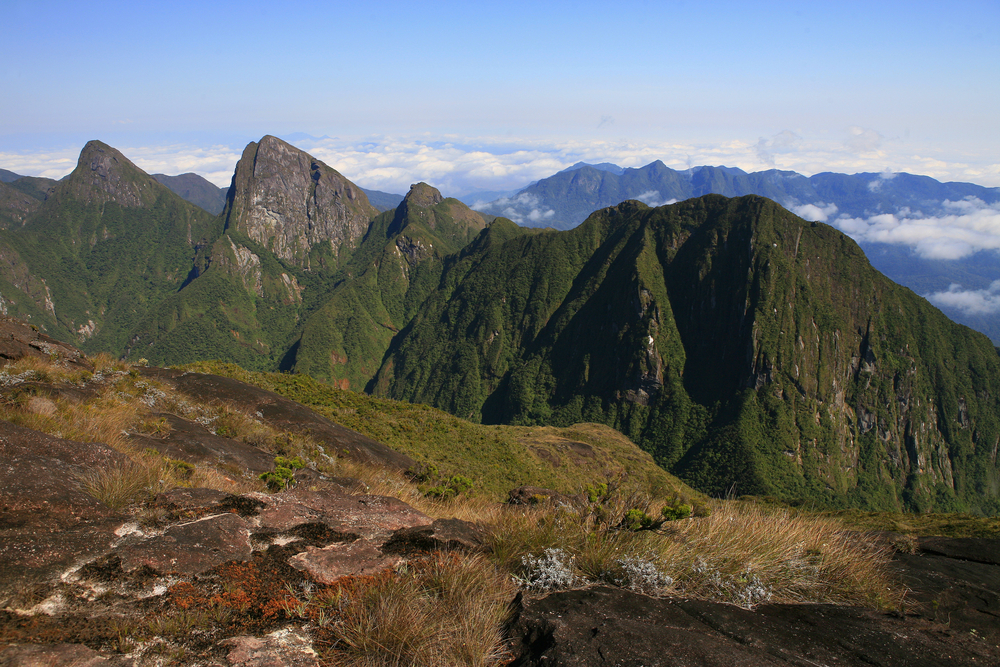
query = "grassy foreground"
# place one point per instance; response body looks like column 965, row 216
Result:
column 645, row 532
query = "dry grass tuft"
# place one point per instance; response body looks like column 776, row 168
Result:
column 742, row 553
column 131, row 482
column 443, row 610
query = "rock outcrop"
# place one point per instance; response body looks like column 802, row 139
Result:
column 48, row 524
column 290, row 203
column 283, row 414
column 609, row 626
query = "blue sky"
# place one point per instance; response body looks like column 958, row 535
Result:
column 474, row 97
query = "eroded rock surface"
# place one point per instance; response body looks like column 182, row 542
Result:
column 47, row 522
column 371, row 517
column 442, row 535
column 191, row 548
column 57, row 655
column 283, row 414
column 192, row 442
column 351, row 559
column 955, row 582
column 18, row 340
column 282, row 648
column 609, row 626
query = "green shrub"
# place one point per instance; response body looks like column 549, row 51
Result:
column 451, row 488
column 597, row 493
column 676, row 512
column 283, row 475
column 422, row 473
column 637, row 520
column 440, row 492
column 460, row 484
column 183, row 469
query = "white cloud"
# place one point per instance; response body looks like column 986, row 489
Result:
column 783, row 142
column 970, row 302
column 215, row 163
column 652, row 198
column 819, row 212
column 886, row 175
column 973, row 226
column 522, row 208
column 862, row 140
column 458, row 165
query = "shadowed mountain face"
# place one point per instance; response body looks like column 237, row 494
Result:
column 197, row 190
column 748, row 350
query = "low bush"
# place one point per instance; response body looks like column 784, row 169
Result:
column 283, row 475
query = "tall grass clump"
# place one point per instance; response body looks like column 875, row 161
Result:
column 443, row 610
column 129, row 482
column 741, row 553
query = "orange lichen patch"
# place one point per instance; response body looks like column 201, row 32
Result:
column 257, row 594
column 184, row 595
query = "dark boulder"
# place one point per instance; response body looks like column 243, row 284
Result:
column 442, row 535
column 610, row 626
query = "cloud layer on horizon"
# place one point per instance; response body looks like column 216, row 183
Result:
column 966, row 227
column 969, row 302
column 522, row 208
column 460, row 165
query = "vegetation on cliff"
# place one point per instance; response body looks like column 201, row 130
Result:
column 748, row 351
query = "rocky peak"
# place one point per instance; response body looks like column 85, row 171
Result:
column 290, row 202
column 421, row 194
column 103, row 175
column 453, row 223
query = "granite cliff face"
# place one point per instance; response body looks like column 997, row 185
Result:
column 294, row 205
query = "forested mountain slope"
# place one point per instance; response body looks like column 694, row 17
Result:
column 748, row 350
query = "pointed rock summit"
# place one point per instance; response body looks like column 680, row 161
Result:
column 421, row 194
column 454, row 223
column 291, row 203
column 103, row 175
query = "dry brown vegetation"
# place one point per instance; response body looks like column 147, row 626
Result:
column 741, row 553
column 445, row 609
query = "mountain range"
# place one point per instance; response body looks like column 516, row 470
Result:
column 748, row 350
column 851, row 202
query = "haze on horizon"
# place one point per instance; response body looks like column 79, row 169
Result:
column 470, row 97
